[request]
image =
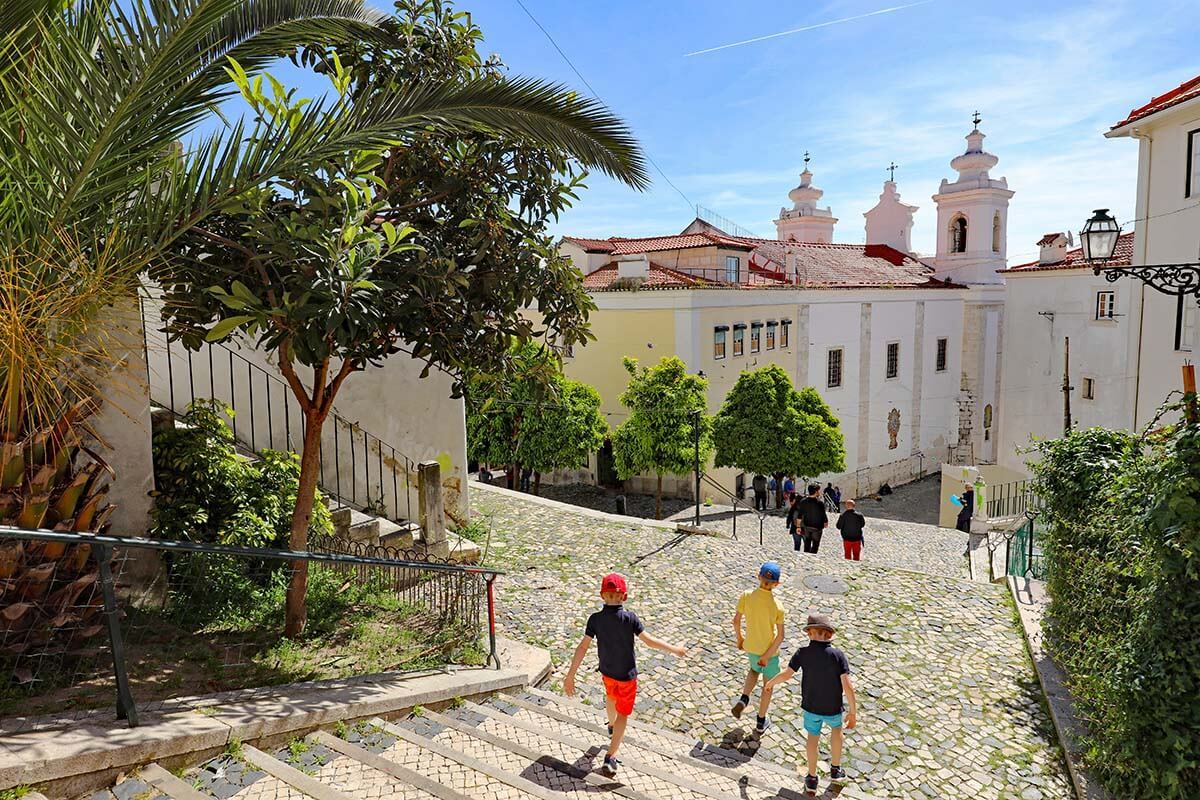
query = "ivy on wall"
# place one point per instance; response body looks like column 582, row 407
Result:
column 1122, row 518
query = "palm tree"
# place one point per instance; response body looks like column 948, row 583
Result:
column 96, row 99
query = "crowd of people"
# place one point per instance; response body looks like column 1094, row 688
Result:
column 827, row 697
column 808, row 517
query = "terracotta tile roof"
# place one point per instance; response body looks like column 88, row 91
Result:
column 660, row 278
column 1180, row 94
column 1048, row 239
column 1122, row 257
column 819, row 266
column 619, row 245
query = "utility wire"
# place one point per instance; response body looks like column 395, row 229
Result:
column 592, row 89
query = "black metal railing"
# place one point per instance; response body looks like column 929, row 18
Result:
column 738, row 506
column 84, row 617
column 358, row 469
column 1009, row 499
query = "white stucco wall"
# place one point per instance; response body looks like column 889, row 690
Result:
column 1041, row 310
column 1168, row 232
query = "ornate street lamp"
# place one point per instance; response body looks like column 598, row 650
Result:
column 1099, row 242
column 1099, row 236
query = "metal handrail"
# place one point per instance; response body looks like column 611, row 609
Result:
column 103, row 546
column 736, row 502
column 373, row 447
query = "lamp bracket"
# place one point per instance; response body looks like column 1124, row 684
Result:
column 1173, row 279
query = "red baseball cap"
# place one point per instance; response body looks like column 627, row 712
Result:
column 613, row 582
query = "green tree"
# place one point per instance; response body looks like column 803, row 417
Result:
column 665, row 405
column 767, row 427
column 537, row 419
column 311, row 267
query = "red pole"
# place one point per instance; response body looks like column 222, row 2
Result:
column 1189, row 392
column 491, row 603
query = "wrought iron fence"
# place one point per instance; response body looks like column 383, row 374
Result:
column 1010, row 499
column 84, row 618
column 358, row 469
column 1024, row 556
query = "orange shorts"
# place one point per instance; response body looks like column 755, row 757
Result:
column 623, row 694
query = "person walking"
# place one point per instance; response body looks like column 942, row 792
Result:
column 837, row 497
column 760, row 492
column 813, row 518
column 793, row 522
column 789, row 489
column 763, row 617
column 963, row 522
column 851, row 524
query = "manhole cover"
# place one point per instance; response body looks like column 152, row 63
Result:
column 826, row 584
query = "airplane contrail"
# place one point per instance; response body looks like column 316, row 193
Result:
column 809, row 28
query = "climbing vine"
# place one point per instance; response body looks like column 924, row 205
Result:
column 1122, row 518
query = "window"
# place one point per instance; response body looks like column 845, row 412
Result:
column 943, row 345
column 996, row 233
column 739, row 340
column 733, row 266
column 1192, row 179
column 1106, row 305
column 1185, row 323
column 893, row 360
column 833, row 368
column 771, row 326
column 784, row 332
column 958, row 234
column 719, row 341
column 1089, row 389
column 755, row 336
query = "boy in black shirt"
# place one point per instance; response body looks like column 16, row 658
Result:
column 614, row 628
column 825, row 677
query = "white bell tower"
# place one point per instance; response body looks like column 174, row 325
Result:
column 972, row 218
column 890, row 222
column 804, row 221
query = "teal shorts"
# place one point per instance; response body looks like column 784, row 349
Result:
column 813, row 722
column 770, row 670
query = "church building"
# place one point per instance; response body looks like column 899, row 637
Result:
column 904, row 349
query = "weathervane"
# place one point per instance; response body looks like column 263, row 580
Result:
column 977, row 119
column 806, row 159
column 892, row 172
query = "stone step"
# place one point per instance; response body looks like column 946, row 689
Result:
column 169, row 785
column 664, row 741
column 377, row 777
column 688, row 775
column 289, row 775
column 692, row 756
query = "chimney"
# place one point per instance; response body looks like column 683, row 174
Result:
column 633, row 266
column 1053, row 248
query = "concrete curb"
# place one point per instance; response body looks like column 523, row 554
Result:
column 1030, row 597
column 73, row 756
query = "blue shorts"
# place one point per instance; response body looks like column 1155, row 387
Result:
column 770, row 670
column 813, row 722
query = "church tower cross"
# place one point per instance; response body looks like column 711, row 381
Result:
column 892, row 172
column 806, row 159
column 977, row 119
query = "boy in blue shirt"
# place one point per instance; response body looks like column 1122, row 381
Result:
column 825, row 677
column 614, row 628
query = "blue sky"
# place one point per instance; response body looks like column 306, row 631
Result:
column 730, row 127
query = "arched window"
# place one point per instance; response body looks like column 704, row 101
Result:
column 996, row 233
column 958, row 234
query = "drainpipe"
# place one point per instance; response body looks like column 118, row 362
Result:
column 1144, row 246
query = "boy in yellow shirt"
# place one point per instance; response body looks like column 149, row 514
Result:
column 763, row 637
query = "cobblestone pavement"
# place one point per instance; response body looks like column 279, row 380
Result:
column 894, row 542
column 913, row 502
column 949, row 704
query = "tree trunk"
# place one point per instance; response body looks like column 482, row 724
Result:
column 537, row 482
column 779, row 476
column 306, row 492
column 658, row 499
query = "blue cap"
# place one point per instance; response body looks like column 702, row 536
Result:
column 769, row 570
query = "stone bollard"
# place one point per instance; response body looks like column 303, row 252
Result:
column 433, row 512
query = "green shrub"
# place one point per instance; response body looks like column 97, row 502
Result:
column 1122, row 517
column 208, row 492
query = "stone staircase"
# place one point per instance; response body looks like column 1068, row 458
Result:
column 533, row 745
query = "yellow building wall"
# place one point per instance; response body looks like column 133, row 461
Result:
column 646, row 335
